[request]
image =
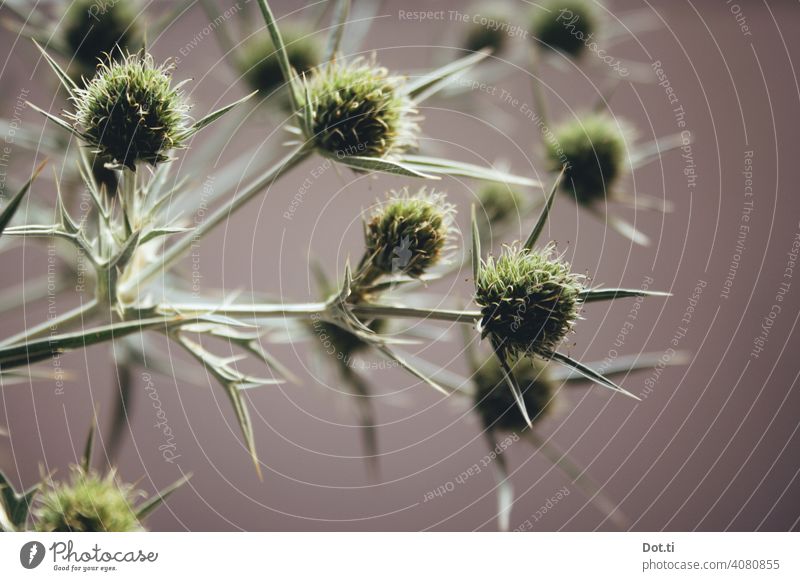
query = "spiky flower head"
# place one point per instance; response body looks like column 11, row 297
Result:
column 130, row 112
column 495, row 402
column 529, row 300
column 259, row 62
column 93, row 30
column 565, row 25
column 88, row 503
column 488, row 28
column 593, row 148
column 408, row 234
column 359, row 109
column 498, row 203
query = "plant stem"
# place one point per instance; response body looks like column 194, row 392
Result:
column 176, row 250
column 539, row 101
column 256, row 311
column 579, row 478
column 375, row 311
column 365, row 310
column 38, row 350
column 50, row 325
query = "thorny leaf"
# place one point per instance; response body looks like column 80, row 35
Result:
column 14, row 506
column 13, row 205
column 152, row 503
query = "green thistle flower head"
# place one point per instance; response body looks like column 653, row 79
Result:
column 565, row 25
column 495, row 402
column 259, row 62
column 529, row 300
column 88, row 503
column 488, row 31
column 358, row 109
column 93, row 30
column 593, row 148
column 130, row 113
column 498, row 203
column 408, row 234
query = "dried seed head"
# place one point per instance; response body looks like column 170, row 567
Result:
column 88, row 503
column 565, row 25
column 593, row 147
column 358, row 109
column 528, row 299
column 408, row 234
column 498, row 203
column 130, row 113
column 495, row 402
column 259, row 62
column 93, row 30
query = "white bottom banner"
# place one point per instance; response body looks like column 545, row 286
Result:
column 402, row 556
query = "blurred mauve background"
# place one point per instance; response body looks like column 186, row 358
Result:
column 713, row 445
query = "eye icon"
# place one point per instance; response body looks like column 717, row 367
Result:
column 31, row 554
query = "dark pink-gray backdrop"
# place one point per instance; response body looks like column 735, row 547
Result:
column 712, row 446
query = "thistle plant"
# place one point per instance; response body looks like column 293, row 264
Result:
column 93, row 32
column 529, row 300
column 495, row 403
column 598, row 152
column 542, row 385
column 89, row 32
column 130, row 112
column 407, row 234
column 259, row 64
column 88, row 501
column 491, row 35
column 123, row 263
column 132, row 117
column 595, row 150
column 358, row 108
column 498, row 204
column 565, row 25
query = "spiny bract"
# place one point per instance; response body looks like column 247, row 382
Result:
column 259, row 62
column 130, row 113
column 93, row 30
column 529, row 300
column 409, row 234
column 495, row 402
column 565, row 25
column 88, row 503
column 358, row 109
column 594, row 150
